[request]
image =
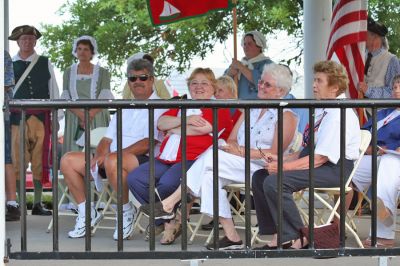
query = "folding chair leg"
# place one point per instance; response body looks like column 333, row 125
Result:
column 196, row 228
column 137, row 223
column 63, row 197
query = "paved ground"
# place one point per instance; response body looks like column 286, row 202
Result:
column 39, row 240
column 364, row 261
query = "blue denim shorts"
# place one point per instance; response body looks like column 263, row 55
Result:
column 7, row 142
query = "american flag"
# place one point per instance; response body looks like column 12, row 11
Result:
column 347, row 39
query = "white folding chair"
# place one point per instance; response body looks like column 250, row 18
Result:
column 330, row 203
column 62, row 188
column 95, row 136
column 397, row 230
column 237, row 208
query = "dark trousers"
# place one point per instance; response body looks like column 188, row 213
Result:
column 167, row 180
column 265, row 191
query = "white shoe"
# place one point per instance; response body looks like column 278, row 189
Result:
column 79, row 229
column 128, row 219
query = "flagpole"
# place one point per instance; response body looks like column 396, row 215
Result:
column 235, row 36
column 361, row 113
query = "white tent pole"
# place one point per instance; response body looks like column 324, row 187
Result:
column 6, row 24
column 4, row 45
column 317, row 18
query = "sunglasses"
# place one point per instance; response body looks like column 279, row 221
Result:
column 142, row 77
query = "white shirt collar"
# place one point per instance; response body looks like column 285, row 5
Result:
column 29, row 59
column 154, row 96
column 341, row 96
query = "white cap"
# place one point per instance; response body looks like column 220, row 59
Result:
column 85, row 37
column 135, row 57
column 258, row 38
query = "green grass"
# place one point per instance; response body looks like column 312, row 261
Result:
column 46, row 199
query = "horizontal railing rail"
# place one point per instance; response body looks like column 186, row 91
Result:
column 184, row 253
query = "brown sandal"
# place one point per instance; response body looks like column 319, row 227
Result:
column 171, row 234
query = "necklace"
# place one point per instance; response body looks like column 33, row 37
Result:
column 85, row 70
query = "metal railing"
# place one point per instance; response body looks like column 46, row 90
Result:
column 183, row 253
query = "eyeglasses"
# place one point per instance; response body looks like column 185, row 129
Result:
column 265, row 84
column 142, row 77
column 203, row 83
column 265, row 157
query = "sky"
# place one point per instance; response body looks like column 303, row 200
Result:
column 33, row 13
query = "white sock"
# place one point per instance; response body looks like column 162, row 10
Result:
column 82, row 209
column 126, row 207
column 12, row 203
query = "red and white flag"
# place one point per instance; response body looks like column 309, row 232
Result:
column 168, row 11
column 347, row 39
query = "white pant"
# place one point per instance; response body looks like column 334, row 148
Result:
column 388, row 185
column 230, row 171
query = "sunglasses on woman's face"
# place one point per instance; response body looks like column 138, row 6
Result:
column 142, row 77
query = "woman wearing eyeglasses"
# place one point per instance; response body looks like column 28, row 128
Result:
column 330, row 82
column 168, row 163
column 83, row 81
column 275, row 83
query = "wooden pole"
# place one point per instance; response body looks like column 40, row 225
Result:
column 360, row 111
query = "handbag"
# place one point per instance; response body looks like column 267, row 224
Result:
column 325, row 236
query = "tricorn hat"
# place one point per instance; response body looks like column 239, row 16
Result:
column 376, row 27
column 24, row 30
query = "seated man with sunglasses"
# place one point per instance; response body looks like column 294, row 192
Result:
column 135, row 146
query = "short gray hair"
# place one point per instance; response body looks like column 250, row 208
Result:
column 140, row 64
column 385, row 43
column 281, row 74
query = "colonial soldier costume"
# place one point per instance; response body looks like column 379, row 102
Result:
column 35, row 79
column 380, row 65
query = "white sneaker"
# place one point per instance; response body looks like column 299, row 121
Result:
column 79, row 229
column 128, row 219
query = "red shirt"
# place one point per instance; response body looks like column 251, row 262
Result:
column 236, row 115
column 196, row 145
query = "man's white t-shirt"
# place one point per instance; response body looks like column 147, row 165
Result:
column 135, row 126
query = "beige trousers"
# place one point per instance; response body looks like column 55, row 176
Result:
column 34, row 136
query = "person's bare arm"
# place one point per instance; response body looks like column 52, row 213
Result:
column 138, row 148
column 299, row 164
column 244, row 70
column 192, row 130
column 103, row 148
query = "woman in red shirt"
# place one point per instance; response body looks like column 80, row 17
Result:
column 199, row 138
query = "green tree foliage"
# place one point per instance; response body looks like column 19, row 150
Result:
column 123, row 27
column 387, row 12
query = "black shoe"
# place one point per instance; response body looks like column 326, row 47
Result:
column 286, row 245
column 366, row 209
column 13, row 213
column 38, row 209
column 210, row 226
column 303, row 247
column 226, row 244
column 159, row 212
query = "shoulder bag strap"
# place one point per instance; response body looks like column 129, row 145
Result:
column 25, row 74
